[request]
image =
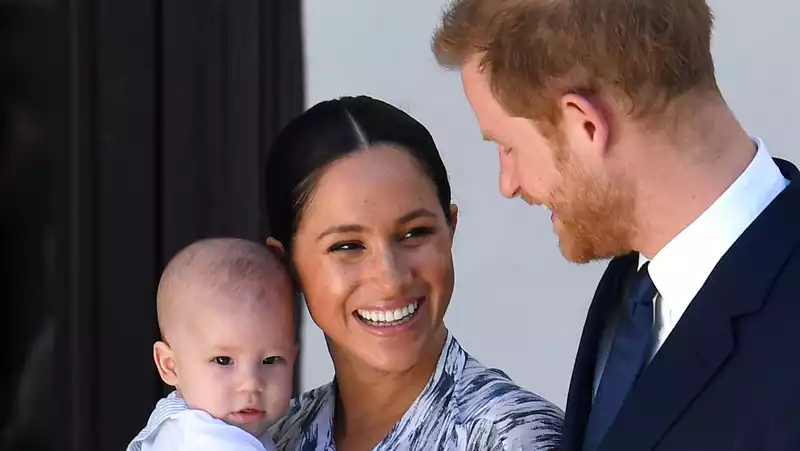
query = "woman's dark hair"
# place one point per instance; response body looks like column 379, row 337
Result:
column 328, row 132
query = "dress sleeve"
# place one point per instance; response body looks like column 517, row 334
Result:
column 517, row 421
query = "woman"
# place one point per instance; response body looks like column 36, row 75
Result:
column 359, row 201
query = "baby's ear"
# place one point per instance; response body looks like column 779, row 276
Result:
column 276, row 246
column 165, row 362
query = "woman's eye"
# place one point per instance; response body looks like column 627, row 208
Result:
column 418, row 232
column 271, row 360
column 223, row 360
column 348, row 246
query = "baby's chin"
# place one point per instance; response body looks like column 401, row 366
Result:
column 256, row 429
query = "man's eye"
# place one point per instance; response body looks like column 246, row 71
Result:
column 271, row 360
column 223, row 360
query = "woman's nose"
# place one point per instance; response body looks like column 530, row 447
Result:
column 390, row 272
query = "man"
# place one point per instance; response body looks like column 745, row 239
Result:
column 607, row 112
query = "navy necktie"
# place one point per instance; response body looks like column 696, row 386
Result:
column 626, row 358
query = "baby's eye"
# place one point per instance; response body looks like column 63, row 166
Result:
column 271, row 360
column 223, row 360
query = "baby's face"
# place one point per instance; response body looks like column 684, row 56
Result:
column 235, row 362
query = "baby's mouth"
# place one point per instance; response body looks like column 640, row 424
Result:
column 248, row 415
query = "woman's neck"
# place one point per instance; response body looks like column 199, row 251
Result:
column 370, row 402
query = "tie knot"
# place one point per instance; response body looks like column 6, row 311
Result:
column 642, row 289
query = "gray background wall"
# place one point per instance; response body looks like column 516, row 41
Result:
column 518, row 305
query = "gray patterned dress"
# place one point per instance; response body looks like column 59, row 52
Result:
column 464, row 407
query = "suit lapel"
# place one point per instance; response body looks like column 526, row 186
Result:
column 606, row 297
column 703, row 338
column 695, row 350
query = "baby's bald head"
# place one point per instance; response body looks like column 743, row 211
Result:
column 226, row 314
column 213, row 273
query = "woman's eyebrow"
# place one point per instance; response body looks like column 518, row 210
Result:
column 350, row 228
column 343, row 228
column 418, row 213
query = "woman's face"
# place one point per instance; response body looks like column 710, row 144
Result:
column 373, row 255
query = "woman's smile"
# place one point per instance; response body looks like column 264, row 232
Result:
column 389, row 321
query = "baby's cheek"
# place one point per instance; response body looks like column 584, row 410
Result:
column 215, row 405
column 215, row 392
column 278, row 395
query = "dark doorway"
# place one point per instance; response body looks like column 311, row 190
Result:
column 129, row 129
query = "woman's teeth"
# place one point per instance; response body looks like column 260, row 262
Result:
column 388, row 317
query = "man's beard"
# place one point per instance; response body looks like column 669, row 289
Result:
column 593, row 216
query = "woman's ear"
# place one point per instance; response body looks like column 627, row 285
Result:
column 276, row 246
column 165, row 362
column 453, row 219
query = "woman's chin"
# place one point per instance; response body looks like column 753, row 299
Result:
column 390, row 356
column 385, row 361
column 395, row 354
column 398, row 347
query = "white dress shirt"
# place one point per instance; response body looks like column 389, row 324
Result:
column 173, row 426
column 681, row 267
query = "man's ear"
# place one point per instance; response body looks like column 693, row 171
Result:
column 165, row 362
column 276, row 246
column 585, row 124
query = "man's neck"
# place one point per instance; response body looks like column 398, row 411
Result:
column 683, row 177
column 371, row 402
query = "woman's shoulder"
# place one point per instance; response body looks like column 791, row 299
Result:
column 491, row 405
column 490, row 389
column 302, row 413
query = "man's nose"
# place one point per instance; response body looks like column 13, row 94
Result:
column 509, row 183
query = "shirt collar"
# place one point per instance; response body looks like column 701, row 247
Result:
column 681, row 268
column 166, row 408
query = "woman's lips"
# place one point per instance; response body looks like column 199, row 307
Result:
column 402, row 319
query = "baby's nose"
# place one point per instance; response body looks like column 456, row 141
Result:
column 251, row 381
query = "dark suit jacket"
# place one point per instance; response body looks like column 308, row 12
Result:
column 728, row 376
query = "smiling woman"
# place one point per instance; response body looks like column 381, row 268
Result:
column 359, row 200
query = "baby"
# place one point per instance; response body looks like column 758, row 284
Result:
column 228, row 347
